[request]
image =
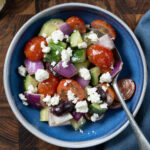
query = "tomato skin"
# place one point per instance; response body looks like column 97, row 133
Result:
column 49, row 86
column 73, row 86
column 104, row 27
column 77, row 24
column 100, row 56
column 33, row 50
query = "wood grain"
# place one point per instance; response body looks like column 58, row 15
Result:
column 12, row 134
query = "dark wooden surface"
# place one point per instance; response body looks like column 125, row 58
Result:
column 13, row 136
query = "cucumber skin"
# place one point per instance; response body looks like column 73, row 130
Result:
column 44, row 114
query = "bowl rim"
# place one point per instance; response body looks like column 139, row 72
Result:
column 29, row 126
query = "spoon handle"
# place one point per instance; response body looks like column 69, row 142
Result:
column 142, row 141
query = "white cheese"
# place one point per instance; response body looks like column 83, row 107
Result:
column 67, row 82
column 82, row 45
column 57, row 36
column 104, row 88
column 55, row 100
column 85, row 73
column 82, row 107
column 41, row 75
column 105, row 77
column 53, row 63
column 47, row 99
column 22, row 97
column 44, row 35
column 104, row 105
column 107, row 84
column 112, row 67
column 22, row 70
column 57, row 52
column 31, row 89
column 25, row 103
column 48, row 39
column 81, row 131
column 94, row 117
column 67, row 38
column 45, row 49
column 93, row 36
column 71, row 97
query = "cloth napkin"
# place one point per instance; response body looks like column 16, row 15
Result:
column 126, row 140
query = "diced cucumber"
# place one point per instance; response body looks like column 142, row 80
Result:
column 95, row 72
column 44, row 114
column 50, row 26
column 55, row 53
column 77, row 125
column 96, row 108
column 75, row 39
column 86, row 90
column 29, row 80
column 84, row 64
column 79, row 55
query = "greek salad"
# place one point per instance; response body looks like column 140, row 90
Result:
column 68, row 70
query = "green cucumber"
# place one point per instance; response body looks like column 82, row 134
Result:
column 44, row 114
column 53, row 55
column 75, row 39
column 79, row 55
column 77, row 125
column 96, row 108
column 29, row 80
column 84, row 64
column 88, row 86
column 50, row 26
column 95, row 72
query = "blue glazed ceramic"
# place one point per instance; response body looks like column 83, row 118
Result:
column 115, row 120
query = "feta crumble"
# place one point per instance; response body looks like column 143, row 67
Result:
column 67, row 82
column 93, row 96
column 53, row 63
column 94, row 117
column 52, row 101
column 104, row 105
column 57, row 52
column 41, row 75
column 92, row 36
column 22, row 97
column 25, row 103
column 82, row 45
column 81, row 131
column 65, row 56
column 105, row 77
column 22, row 70
column 104, row 88
column 44, row 35
column 85, row 73
column 45, row 49
column 112, row 67
column 82, row 107
column 67, row 38
column 57, row 36
column 48, row 39
column 31, row 89
column 71, row 97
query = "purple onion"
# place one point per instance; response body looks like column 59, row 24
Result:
column 77, row 115
column 67, row 72
column 66, row 29
column 33, row 66
column 82, row 82
column 34, row 100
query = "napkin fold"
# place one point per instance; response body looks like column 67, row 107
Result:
column 126, row 140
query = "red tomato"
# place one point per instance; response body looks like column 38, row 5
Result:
column 77, row 24
column 100, row 56
column 75, row 87
column 33, row 50
column 49, row 86
column 104, row 27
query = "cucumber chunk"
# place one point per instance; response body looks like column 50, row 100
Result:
column 95, row 72
column 44, row 114
column 29, row 80
column 84, row 64
column 77, row 125
column 55, row 53
column 50, row 26
column 79, row 56
column 75, row 39
column 96, row 108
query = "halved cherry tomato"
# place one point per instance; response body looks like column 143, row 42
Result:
column 33, row 50
column 100, row 56
column 104, row 70
column 104, row 27
column 77, row 24
column 75, row 87
column 49, row 86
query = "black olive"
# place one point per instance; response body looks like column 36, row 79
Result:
column 102, row 93
column 68, row 107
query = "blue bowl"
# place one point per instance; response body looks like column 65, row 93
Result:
column 114, row 121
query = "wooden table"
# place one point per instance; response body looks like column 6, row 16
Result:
column 13, row 136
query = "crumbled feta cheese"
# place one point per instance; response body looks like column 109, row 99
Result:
column 112, row 67
column 82, row 107
column 44, row 35
column 47, row 99
column 105, row 77
column 57, row 52
column 45, row 49
column 25, row 103
column 81, row 131
column 104, row 105
column 67, row 82
column 92, row 36
column 48, row 39
column 93, row 96
column 67, row 38
column 41, row 75
column 53, row 63
column 55, row 100
column 22, row 97
column 82, row 45
column 57, row 36
column 104, row 88
column 85, row 73
column 107, row 84
column 94, row 117
column 65, row 56
column 31, row 89
column 22, row 70
column 71, row 97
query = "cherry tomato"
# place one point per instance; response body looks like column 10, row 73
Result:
column 33, row 50
column 75, row 88
column 49, row 86
column 104, row 70
column 77, row 24
column 100, row 56
column 104, row 27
